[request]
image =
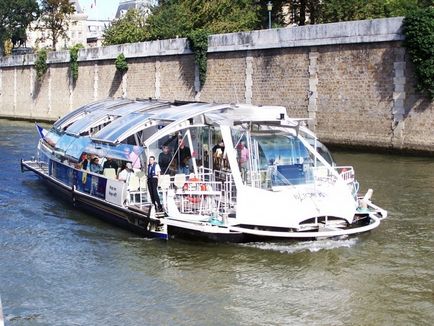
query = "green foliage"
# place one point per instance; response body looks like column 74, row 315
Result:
column 171, row 19
column 15, row 17
column 179, row 18
column 41, row 65
column 73, row 60
column 54, row 20
column 419, row 41
column 345, row 10
column 130, row 28
column 199, row 45
column 121, row 63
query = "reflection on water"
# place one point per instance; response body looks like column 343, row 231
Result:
column 60, row 266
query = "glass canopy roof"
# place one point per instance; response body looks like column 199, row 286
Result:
column 106, row 114
column 114, row 120
column 127, row 125
column 75, row 115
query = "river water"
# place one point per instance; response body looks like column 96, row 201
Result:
column 61, row 266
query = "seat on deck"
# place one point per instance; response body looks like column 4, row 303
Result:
column 133, row 187
column 164, row 181
column 109, row 173
column 179, row 181
column 143, row 180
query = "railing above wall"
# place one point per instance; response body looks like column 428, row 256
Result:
column 132, row 50
column 364, row 31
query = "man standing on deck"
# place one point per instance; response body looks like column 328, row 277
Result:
column 164, row 160
column 153, row 174
column 183, row 157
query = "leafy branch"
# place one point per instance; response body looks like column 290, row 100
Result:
column 419, row 41
column 121, row 63
column 41, row 65
column 73, row 60
column 199, row 45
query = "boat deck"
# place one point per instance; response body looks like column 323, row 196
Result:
column 37, row 166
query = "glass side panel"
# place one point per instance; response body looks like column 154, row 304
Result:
column 64, row 143
column 281, row 150
column 121, row 152
column 76, row 148
column 285, row 158
column 52, row 137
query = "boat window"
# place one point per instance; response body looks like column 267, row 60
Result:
column 325, row 153
column 52, row 137
column 121, row 152
column 76, row 148
column 281, row 150
column 67, row 142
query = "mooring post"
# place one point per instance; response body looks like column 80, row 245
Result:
column 2, row 322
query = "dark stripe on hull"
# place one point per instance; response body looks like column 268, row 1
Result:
column 105, row 211
column 178, row 232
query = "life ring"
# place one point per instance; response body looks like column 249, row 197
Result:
column 194, row 199
column 193, row 185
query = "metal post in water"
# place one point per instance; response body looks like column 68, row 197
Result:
column 2, row 322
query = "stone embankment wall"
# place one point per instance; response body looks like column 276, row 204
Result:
column 353, row 80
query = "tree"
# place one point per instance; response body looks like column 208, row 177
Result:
column 128, row 29
column 15, row 17
column 304, row 11
column 55, row 19
column 345, row 10
column 419, row 41
column 179, row 18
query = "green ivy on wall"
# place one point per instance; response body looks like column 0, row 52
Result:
column 419, row 41
column 121, row 63
column 41, row 65
column 73, row 60
column 199, row 45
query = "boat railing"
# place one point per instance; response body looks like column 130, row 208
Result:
column 199, row 197
column 210, row 192
column 346, row 173
column 229, row 193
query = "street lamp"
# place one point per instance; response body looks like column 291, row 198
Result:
column 269, row 8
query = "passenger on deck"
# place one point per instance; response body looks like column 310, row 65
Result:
column 220, row 146
column 135, row 158
column 243, row 158
column 183, row 156
column 110, row 164
column 94, row 165
column 125, row 174
column 153, row 174
column 217, row 154
column 164, row 160
column 84, row 161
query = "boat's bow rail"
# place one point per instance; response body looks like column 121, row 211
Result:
column 34, row 166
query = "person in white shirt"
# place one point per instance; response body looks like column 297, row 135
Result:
column 126, row 172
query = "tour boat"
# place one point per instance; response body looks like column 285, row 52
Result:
column 269, row 178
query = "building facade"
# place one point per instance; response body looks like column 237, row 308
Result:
column 142, row 5
column 81, row 30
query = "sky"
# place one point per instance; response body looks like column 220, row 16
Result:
column 104, row 9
